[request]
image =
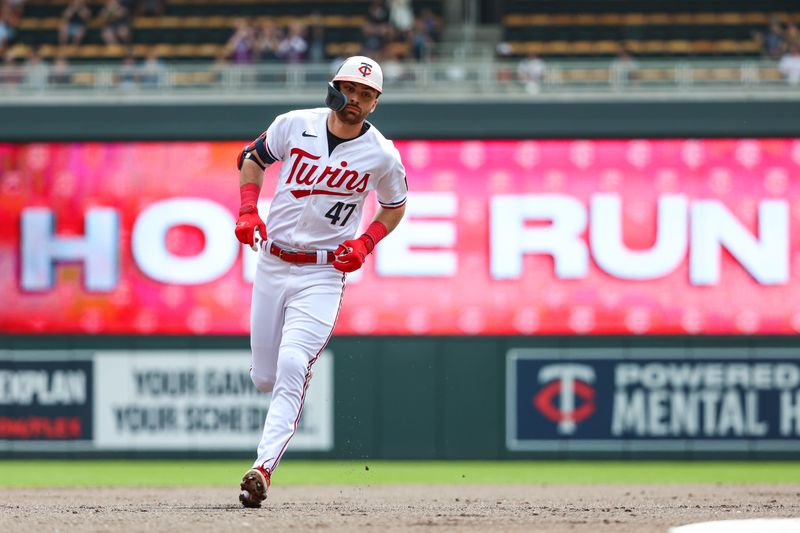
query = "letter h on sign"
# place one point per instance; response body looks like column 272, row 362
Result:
column 41, row 248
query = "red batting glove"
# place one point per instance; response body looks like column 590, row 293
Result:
column 246, row 225
column 350, row 255
column 248, row 215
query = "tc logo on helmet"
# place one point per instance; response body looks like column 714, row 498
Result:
column 565, row 382
column 365, row 69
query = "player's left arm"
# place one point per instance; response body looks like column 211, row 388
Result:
column 351, row 254
column 392, row 192
column 390, row 218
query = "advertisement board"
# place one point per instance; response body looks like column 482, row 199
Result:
column 501, row 237
column 46, row 400
column 652, row 400
column 198, row 401
column 135, row 401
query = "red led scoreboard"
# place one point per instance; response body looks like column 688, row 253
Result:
column 668, row 236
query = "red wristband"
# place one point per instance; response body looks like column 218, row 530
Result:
column 375, row 232
column 249, row 194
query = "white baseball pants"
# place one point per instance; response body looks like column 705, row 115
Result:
column 294, row 310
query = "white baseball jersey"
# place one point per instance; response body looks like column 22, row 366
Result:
column 317, row 205
column 319, row 198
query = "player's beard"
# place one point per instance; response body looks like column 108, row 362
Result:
column 348, row 115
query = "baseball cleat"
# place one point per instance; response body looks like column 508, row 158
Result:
column 255, row 484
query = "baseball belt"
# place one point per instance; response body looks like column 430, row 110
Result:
column 319, row 257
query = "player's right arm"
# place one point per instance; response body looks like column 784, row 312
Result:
column 252, row 162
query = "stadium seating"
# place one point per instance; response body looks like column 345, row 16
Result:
column 197, row 29
column 656, row 28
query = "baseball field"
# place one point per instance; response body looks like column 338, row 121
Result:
column 568, row 496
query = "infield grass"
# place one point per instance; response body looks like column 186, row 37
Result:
column 18, row 473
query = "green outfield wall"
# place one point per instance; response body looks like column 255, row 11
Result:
column 482, row 119
column 414, row 397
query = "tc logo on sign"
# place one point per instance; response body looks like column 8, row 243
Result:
column 556, row 400
column 365, row 69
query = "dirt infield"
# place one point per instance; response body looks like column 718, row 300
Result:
column 538, row 508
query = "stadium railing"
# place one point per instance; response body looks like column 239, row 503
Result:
column 439, row 79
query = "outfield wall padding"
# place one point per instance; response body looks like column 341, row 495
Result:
column 460, row 397
column 482, row 119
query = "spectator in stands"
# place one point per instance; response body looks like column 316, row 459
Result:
column 401, row 15
column 772, row 38
column 791, row 37
column 8, row 26
column 116, row 23
column 6, row 34
column 59, row 73
column 624, row 69
column 431, row 24
column 36, row 72
column 530, row 72
column 153, row 71
column 242, row 43
column 378, row 13
column 128, row 74
column 372, row 39
column 294, row 47
column 375, row 29
column 16, row 7
column 267, row 43
column 789, row 66
column 421, row 42
column 74, row 20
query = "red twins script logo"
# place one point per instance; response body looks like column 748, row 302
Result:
column 563, row 382
column 304, row 173
column 365, row 69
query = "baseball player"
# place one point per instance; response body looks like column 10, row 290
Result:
column 332, row 158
